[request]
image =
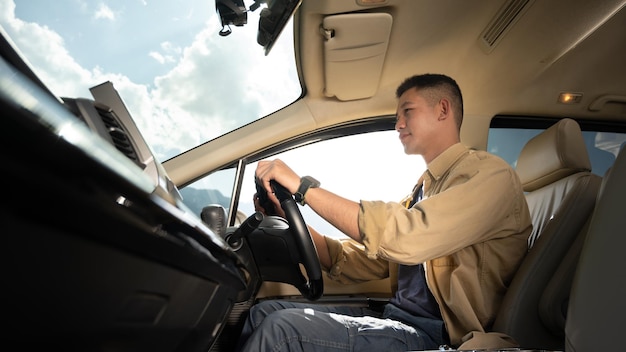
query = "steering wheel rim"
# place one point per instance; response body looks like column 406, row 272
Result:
column 314, row 287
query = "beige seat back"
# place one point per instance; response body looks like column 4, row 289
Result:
column 597, row 307
column 555, row 171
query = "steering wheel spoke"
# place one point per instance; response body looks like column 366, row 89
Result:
column 276, row 246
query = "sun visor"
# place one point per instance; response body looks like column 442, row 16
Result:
column 354, row 53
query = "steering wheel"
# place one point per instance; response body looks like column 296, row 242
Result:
column 314, row 287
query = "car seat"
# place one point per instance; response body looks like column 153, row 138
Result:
column 597, row 309
column 561, row 191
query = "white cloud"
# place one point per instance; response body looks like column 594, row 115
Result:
column 170, row 54
column 162, row 59
column 204, row 95
column 7, row 10
column 104, row 12
column 46, row 53
column 169, row 47
column 158, row 57
column 209, row 85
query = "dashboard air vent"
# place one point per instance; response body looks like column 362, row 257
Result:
column 117, row 133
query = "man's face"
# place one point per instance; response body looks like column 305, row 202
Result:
column 415, row 122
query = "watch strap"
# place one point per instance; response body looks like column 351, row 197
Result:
column 306, row 183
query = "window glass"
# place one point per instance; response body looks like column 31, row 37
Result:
column 183, row 83
column 215, row 188
column 507, row 143
column 369, row 166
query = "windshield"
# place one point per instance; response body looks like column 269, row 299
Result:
column 183, row 83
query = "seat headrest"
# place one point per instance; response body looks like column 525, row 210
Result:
column 555, row 153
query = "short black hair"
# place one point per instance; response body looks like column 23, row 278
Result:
column 440, row 86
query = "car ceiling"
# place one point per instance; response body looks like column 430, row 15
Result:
column 549, row 47
column 553, row 46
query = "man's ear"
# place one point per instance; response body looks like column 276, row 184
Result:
column 444, row 109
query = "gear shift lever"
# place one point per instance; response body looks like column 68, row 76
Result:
column 214, row 216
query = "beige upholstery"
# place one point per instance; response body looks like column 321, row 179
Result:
column 557, row 152
column 549, row 166
column 561, row 191
column 597, row 308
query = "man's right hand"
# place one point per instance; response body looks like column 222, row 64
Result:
column 278, row 171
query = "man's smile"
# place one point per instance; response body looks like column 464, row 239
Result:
column 403, row 136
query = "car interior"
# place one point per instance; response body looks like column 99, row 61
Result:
column 555, row 171
column 113, row 246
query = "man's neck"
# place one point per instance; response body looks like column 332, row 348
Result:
column 437, row 150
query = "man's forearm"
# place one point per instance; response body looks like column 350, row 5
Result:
column 340, row 212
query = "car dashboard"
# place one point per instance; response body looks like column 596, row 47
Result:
column 102, row 253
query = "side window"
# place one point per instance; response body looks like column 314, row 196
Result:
column 507, row 143
column 369, row 166
column 602, row 147
column 216, row 188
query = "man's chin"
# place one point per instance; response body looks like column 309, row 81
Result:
column 408, row 150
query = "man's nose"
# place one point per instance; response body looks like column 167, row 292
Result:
column 399, row 123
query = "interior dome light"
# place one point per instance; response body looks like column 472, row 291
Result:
column 570, row 98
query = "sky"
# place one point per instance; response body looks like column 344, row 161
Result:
column 183, row 83
column 101, row 22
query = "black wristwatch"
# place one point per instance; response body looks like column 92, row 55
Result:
column 306, row 182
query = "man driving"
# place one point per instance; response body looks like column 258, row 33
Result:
column 450, row 249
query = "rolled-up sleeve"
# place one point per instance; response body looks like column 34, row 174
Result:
column 350, row 265
column 479, row 203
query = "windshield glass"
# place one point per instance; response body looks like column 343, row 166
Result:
column 183, row 83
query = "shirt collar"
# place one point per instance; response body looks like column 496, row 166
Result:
column 445, row 160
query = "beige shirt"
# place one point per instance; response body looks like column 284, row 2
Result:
column 470, row 231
